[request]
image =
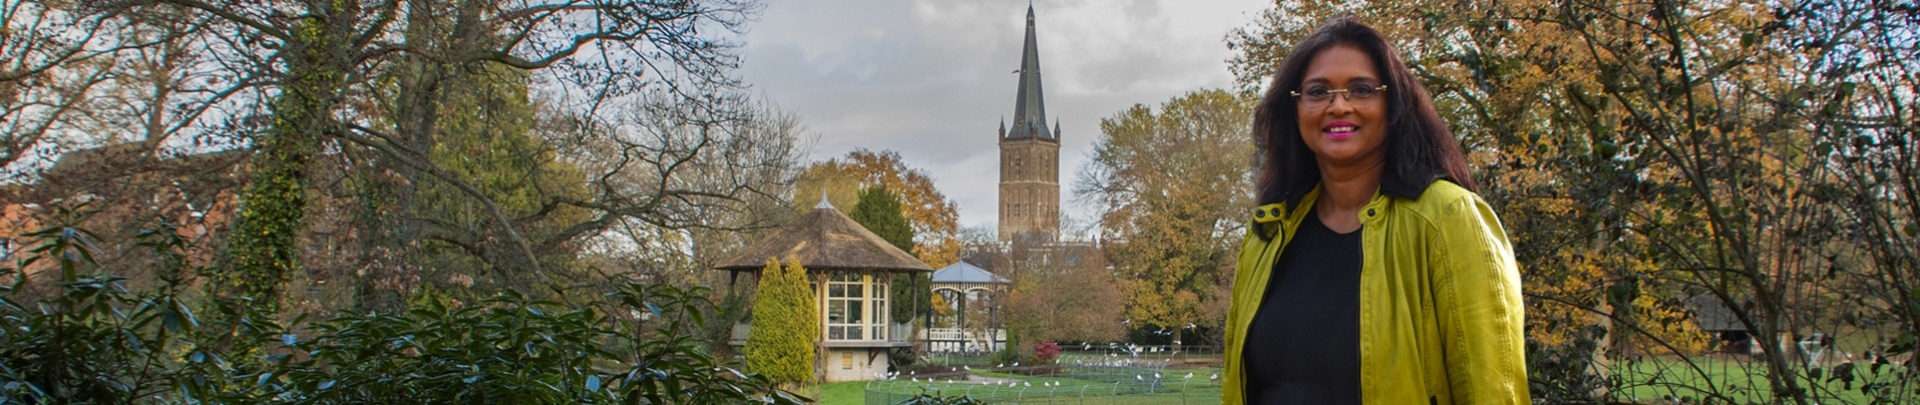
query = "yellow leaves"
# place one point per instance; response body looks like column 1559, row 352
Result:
column 1669, row 324
column 933, row 217
column 1174, row 182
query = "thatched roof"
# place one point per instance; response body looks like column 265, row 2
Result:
column 824, row 239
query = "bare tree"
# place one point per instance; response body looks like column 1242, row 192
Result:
column 320, row 60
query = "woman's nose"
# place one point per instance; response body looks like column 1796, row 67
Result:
column 1339, row 104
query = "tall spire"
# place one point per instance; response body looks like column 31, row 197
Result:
column 1029, row 111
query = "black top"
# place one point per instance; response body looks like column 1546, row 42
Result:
column 1304, row 344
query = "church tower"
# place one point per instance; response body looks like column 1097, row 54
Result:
column 1029, row 158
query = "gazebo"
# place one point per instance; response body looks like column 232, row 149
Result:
column 968, row 288
column 1713, row 316
column 855, row 266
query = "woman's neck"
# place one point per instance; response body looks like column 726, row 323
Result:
column 1344, row 191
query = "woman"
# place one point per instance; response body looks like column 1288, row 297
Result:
column 1372, row 272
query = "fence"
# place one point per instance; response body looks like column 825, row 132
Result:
column 1092, row 354
column 1070, row 383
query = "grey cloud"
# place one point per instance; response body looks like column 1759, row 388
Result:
column 932, row 79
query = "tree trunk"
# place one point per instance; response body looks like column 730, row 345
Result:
column 266, row 249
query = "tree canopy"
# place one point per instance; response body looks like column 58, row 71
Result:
column 1171, row 182
column 933, row 217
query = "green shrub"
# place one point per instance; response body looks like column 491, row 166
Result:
column 936, row 399
column 785, row 325
column 512, row 350
column 96, row 342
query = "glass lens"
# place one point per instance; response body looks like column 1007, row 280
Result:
column 1318, row 94
column 1362, row 92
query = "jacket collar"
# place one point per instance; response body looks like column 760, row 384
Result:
column 1390, row 185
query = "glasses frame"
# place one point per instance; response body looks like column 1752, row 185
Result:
column 1342, row 93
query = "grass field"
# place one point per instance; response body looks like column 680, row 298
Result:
column 1121, row 386
column 1732, row 378
column 1645, row 381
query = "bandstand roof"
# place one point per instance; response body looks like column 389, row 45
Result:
column 824, row 239
column 963, row 272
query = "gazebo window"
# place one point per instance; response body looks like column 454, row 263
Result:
column 856, row 307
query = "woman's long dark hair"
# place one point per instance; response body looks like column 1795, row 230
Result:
column 1419, row 146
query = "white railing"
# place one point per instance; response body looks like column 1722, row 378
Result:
column 740, row 330
column 964, row 340
column 900, row 332
column 945, row 334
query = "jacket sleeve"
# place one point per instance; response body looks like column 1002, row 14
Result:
column 1476, row 287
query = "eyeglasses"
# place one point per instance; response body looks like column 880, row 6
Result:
column 1318, row 97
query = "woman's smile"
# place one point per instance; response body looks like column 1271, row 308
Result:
column 1339, row 130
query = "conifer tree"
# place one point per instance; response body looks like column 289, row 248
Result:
column 785, row 325
column 879, row 211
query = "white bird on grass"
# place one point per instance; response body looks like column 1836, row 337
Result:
column 1215, row 376
column 1189, row 376
column 1138, row 377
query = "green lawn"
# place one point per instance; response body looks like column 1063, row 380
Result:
column 1742, row 381
column 843, row 393
column 1643, row 381
column 1174, row 388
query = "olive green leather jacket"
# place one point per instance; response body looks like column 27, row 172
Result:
column 1440, row 312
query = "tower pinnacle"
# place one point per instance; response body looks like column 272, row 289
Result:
column 1029, row 158
column 1029, row 109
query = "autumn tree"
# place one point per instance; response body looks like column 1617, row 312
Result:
column 785, row 325
column 933, row 217
column 1649, row 152
column 1071, row 298
column 1173, row 185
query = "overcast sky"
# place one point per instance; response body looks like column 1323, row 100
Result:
column 932, row 79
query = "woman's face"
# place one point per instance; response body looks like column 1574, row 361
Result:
column 1346, row 130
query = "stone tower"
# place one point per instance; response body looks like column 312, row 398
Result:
column 1029, row 158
